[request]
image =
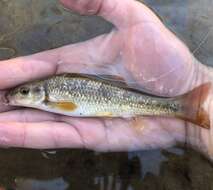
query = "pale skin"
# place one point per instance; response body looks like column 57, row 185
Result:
column 141, row 49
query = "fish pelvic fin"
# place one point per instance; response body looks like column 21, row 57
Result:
column 192, row 106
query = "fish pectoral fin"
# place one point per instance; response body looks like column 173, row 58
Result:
column 63, row 106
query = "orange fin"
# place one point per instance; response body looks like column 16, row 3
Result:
column 63, row 106
column 192, row 109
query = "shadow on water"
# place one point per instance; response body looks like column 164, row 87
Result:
column 29, row 26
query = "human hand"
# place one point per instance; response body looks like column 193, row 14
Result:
column 140, row 48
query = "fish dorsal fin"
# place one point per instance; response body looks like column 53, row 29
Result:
column 120, row 81
column 114, row 80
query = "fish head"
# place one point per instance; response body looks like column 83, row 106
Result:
column 29, row 95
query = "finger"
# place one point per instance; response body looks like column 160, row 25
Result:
column 43, row 135
column 91, row 55
column 100, row 135
column 28, row 115
column 71, row 58
column 121, row 13
column 85, row 133
column 19, row 70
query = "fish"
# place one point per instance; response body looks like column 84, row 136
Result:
column 87, row 95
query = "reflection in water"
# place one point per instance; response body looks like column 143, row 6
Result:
column 54, row 184
column 79, row 169
column 6, row 52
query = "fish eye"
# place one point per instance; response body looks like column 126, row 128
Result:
column 24, row 91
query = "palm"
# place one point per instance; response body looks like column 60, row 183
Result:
column 143, row 52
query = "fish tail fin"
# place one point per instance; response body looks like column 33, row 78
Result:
column 192, row 106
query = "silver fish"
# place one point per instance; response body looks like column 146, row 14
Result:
column 83, row 95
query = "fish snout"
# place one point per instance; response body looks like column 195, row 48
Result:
column 8, row 99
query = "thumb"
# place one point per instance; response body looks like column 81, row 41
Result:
column 122, row 13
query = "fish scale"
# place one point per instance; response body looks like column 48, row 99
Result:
column 84, row 95
column 96, row 97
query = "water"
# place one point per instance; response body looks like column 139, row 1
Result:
column 80, row 169
column 29, row 26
